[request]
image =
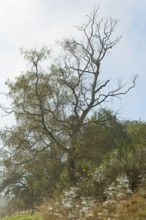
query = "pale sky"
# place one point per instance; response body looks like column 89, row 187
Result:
column 29, row 23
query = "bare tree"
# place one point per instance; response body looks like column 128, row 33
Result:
column 78, row 72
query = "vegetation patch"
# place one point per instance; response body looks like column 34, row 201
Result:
column 22, row 217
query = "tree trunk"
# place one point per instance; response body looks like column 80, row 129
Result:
column 72, row 160
column 72, row 170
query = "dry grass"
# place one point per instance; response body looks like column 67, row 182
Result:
column 130, row 208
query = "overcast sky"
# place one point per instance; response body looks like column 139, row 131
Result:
column 29, row 23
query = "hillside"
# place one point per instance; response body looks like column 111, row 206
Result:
column 130, row 207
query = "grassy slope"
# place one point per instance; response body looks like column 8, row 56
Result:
column 22, row 217
column 131, row 208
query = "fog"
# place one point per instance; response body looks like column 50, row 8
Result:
column 4, row 202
